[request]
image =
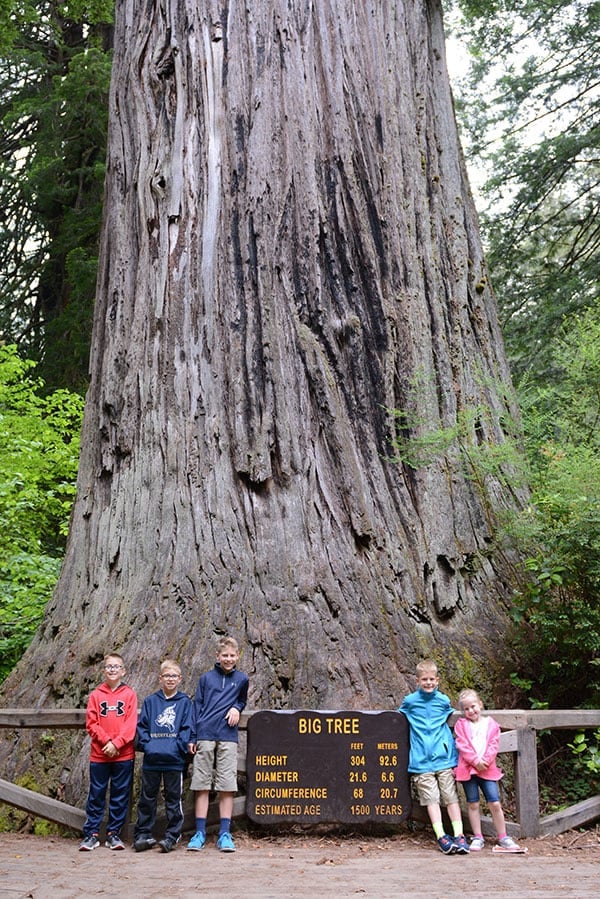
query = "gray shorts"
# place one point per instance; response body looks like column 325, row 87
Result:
column 215, row 766
column 436, row 787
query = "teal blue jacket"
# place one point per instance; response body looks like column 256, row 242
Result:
column 432, row 746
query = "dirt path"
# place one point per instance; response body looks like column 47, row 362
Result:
column 296, row 866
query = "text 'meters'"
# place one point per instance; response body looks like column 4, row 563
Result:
column 316, row 766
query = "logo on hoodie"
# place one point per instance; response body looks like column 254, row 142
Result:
column 166, row 718
column 105, row 708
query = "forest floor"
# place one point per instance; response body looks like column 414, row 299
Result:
column 293, row 865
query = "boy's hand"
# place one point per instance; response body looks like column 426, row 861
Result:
column 110, row 749
column 232, row 717
column 192, row 748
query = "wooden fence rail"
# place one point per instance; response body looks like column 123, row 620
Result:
column 519, row 737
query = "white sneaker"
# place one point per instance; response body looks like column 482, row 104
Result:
column 507, row 844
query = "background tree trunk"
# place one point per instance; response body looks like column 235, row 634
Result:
column 289, row 246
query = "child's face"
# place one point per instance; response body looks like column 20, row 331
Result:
column 169, row 681
column 428, row 681
column 227, row 657
column 472, row 709
column 114, row 671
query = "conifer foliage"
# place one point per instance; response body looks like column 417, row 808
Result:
column 54, row 74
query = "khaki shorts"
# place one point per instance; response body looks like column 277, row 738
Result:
column 435, row 788
column 215, row 766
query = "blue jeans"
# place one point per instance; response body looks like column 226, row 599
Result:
column 489, row 788
column 119, row 775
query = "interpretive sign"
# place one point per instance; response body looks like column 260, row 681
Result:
column 315, row 766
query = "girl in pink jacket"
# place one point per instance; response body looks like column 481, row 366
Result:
column 477, row 740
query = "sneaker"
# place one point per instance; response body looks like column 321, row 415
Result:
column 197, row 842
column 144, row 843
column 89, row 843
column 168, row 844
column 477, row 844
column 447, row 845
column 225, row 843
column 462, row 847
column 114, row 841
column 507, row 844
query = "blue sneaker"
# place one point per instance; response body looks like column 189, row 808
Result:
column 197, row 842
column 225, row 843
column 447, row 845
column 462, row 847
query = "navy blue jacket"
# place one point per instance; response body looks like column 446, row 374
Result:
column 218, row 691
column 164, row 730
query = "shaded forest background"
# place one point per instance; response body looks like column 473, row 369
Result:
column 528, row 106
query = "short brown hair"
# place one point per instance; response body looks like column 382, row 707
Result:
column 113, row 655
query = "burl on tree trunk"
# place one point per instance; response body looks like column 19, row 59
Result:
column 290, row 251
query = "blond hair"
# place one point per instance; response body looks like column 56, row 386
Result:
column 227, row 641
column 426, row 665
column 465, row 695
column 169, row 663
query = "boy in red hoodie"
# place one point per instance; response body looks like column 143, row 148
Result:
column 110, row 720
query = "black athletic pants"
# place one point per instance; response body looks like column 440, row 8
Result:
column 172, row 787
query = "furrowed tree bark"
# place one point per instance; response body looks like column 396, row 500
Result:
column 289, row 248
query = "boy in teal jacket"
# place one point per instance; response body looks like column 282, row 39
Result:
column 433, row 756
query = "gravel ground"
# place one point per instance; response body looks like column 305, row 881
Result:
column 403, row 865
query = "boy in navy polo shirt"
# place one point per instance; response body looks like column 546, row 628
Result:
column 219, row 701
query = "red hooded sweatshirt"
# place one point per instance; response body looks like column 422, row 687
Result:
column 111, row 715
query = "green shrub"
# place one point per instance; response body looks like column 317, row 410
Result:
column 39, row 451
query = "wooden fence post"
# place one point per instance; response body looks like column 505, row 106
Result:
column 526, row 782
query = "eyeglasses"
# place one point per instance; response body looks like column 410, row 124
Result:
column 170, row 676
column 113, row 667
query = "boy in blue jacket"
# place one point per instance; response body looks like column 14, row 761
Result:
column 219, row 701
column 433, row 756
column 164, row 735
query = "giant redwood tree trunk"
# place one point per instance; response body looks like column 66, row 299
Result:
column 289, row 247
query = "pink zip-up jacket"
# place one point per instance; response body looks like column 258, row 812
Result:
column 467, row 755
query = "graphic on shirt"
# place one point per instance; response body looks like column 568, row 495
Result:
column 167, row 718
column 105, row 708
